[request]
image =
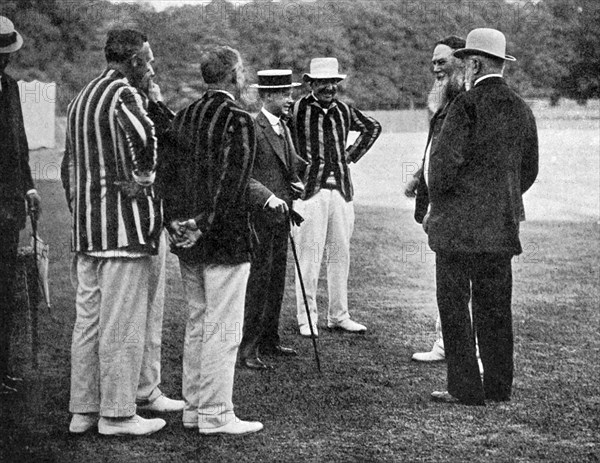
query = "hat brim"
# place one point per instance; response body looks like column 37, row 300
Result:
column 338, row 77
column 276, row 87
column 13, row 47
column 463, row 52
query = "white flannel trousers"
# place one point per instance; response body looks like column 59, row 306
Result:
column 326, row 232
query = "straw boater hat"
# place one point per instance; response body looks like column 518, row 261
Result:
column 485, row 41
column 324, row 68
column 275, row 79
column 10, row 39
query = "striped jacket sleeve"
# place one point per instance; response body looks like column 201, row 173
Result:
column 139, row 135
column 369, row 130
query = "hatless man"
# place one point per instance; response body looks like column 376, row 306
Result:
column 449, row 82
column 274, row 168
column 485, row 159
column 209, row 197
column 108, row 174
column 320, row 127
column 17, row 195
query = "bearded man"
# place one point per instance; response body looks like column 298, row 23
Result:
column 485, row 159
column 449, row 82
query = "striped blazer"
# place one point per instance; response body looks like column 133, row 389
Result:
column 109, row 167
column 320, row 138
column 208, row 178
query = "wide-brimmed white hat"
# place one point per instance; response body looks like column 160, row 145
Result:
column 10, row 39
column 485, row 41
column 324, row 68
column 275, row 79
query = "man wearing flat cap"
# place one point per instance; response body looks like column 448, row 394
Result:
column 17, row 194
column 275, row 168
column 485, row 159
column 320, row 127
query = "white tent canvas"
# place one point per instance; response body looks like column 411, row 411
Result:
column 38, row 100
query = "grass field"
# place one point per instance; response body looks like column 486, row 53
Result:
column 371, row 404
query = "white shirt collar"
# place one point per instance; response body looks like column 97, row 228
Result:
column 485, row 77
column 273, row 120
column 230, row 95
column 325, row 110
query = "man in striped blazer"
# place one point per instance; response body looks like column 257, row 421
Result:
column 320, row 126
column 209, row 196
column 108, row 173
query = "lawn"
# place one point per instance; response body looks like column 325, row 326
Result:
column 371, row 403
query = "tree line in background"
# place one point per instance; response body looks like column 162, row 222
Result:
column 384, row 46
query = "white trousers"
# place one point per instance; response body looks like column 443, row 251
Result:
column 109, row 333
column 326, row 232
column 148, row 389
column 215, row 295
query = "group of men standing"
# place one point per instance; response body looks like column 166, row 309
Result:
column 229, row 189
column 224, row 185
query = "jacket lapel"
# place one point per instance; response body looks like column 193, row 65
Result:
column 274, row 140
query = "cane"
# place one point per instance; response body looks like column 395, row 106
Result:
column 296, row 218
column 33, row 307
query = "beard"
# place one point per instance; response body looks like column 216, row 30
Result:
column 436, row 99
column 444, row 91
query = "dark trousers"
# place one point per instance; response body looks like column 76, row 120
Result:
column 266, row 285
column 488, row 278
column 9, row 242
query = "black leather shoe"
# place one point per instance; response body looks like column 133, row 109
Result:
column 279, row 351
column 254, row 363
column 444, row 397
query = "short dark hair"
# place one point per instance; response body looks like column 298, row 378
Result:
column 218, row 62
column 453, row 42
column 122, row 44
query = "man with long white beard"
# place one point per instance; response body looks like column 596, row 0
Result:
column 449, row 82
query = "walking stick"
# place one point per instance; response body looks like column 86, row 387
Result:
column 296, row 218
column 33, row 307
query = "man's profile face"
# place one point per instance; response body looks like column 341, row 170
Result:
column 279, row 103
column 444, row 63
column 324, row 89
column 4, row 59
column 449, row 77
column 142, row 71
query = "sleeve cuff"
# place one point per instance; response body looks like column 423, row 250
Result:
column 30, row 192
column 267, row 201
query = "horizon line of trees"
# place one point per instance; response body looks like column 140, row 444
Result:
column 384, row 46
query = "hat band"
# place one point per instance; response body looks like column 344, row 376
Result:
column 8, row 39
column 275, row 81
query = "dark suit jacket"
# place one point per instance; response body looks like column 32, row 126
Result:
column 208, row 178
column 274, row 167
column 422, row 199
column 486, row 157
column 15, row 174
